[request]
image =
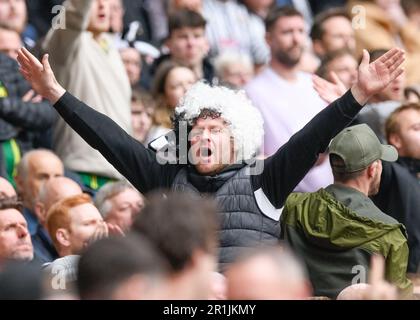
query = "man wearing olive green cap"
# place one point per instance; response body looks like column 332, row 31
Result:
column 336, row 230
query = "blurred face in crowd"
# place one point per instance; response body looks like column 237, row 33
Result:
column 287, row 40
column 125, row 206
column 237, row 74
column 346, row 69
column 212, row 145
column 117, row 16
column 100, row 17
column 84, row 221
column 407, row 139
column 55, row 189
column 193, row 5
column 177, row 83
column 393, row 92
column 15, row 240
column 188, row 46
column 42, row 166
column 132, row 62
column 260, row 279
column 10, row 42
column 338, row 34
column 13, row 14
column 141, row 120
column 6, row 189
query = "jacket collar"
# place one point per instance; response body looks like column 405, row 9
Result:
column 210, row 184
column 413, row 165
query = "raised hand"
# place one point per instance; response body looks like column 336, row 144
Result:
column 40, row 75
column 379, row 288
column 374, row 77
column 329, row 91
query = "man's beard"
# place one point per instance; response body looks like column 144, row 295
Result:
column 374, row 187
column 285, row 58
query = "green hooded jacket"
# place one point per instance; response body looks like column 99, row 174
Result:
column 335, row 231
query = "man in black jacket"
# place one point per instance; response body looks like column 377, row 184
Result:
column 399, row 193
column 224, row 134
column 23, row 115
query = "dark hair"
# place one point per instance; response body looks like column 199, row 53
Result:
column 108, row 262
column 278, row 13
column 143, row 97
column 317, row 31
column 410, row 5
column 178, row 224
column 10, row 203
column 328, row 58
column 20, row 280
column 376, row 54
column 185, row 19
column 339, row 170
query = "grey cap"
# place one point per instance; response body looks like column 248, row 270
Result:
column 359, row 146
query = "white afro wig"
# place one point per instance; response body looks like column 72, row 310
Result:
column 244, row 120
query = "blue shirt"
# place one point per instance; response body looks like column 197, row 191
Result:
column 44, row 249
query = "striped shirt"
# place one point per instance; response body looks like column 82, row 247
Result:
column 230, row 27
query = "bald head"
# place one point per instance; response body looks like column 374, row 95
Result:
column 354, row 292
column 273, row 274
column 6, row 189
column 52, row 191
column 35, row 168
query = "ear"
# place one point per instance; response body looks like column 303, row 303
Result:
column 168, row 43
column 318, row 48
column 40, row 211
column 19, row 184
column 63, row 237
column 395, row 140
column 198, row 257
column 371, row 170
column 268, row 38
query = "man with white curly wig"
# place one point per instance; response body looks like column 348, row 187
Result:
column 225, row 132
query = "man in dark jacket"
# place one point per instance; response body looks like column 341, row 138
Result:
column 336, row 230
column 23, row 115
column 225, row 133
column 399, row 194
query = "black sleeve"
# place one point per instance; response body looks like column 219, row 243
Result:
column 27, row 115
column 288, row 166
column 125, row 153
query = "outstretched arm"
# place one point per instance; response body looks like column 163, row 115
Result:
column 64, row 39
column 288, row 166
column 128, row 156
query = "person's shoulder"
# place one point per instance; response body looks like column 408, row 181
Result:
column 305, row 78
column 297, row 198
column 260, row 81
